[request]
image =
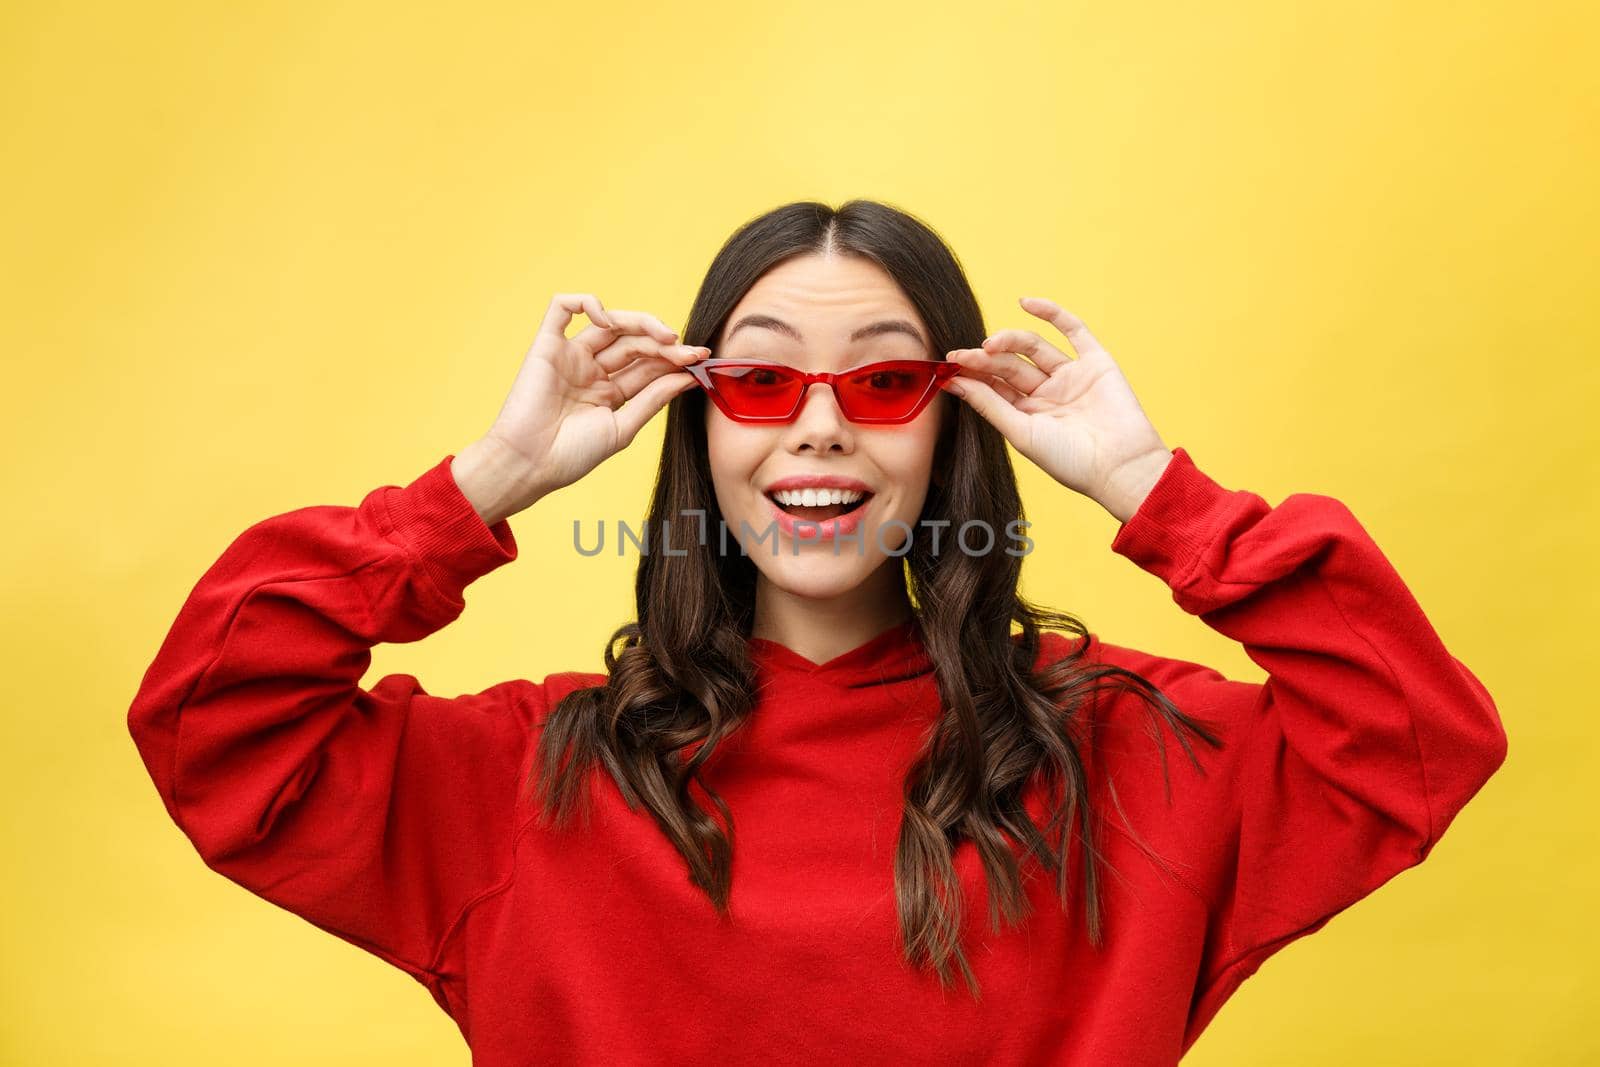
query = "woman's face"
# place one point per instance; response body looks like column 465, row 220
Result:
column 824, row 300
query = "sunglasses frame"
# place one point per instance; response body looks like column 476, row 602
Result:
column 943, row 369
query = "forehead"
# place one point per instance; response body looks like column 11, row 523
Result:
column 825, row 298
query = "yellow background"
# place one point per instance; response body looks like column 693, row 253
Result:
column 270, row 256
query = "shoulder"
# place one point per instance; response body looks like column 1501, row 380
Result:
column 557, row 686
column 1055, row 646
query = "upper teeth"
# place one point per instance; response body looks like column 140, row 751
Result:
column 812, row 498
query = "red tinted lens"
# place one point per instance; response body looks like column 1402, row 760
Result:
column 757, row 392
column 885, row 391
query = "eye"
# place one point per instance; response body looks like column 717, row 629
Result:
column 764, row 378
column 889, row 380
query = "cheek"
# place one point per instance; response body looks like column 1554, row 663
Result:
column 734, row 452
column 916, row 452
column 908, row 462
column 723, row 444
column 717, row 449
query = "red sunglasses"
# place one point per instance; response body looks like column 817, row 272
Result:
column 890, row 392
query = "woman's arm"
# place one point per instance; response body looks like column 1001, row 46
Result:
column 377, row 814
column 1347, row 765
column 1368, row 737
column 384, row 815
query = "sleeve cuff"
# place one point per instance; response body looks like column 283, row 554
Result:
column 434, row 519
column 1175, row 522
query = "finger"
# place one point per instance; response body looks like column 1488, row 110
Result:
column 1083, row 342
column 1012, row 424
column 637, row 411
column 643, row 322
column 565, row 305
column 999, row 385
column 1004, row 388
column 593, row 338
column 1022, row 376
column 619, row 354
column 1046, row 356
column 636, row 375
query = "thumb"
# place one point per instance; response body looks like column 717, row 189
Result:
column 996, row 409
column 639, row 408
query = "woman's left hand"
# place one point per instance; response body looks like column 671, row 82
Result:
column 1077, row 418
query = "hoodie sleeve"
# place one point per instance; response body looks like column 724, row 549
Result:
column 1368, row 737
column 379, row 815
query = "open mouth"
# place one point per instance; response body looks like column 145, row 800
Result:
column 817, row 505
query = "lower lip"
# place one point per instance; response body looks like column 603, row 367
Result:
column 817, row 531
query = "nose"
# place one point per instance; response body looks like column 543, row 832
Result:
column 820, row 426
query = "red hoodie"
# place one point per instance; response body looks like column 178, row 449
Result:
column 394, row 818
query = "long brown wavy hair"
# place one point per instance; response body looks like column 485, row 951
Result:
column 682, row 677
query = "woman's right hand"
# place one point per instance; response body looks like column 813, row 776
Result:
column 575, row 402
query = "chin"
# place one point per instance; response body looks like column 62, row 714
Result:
column 816, row 573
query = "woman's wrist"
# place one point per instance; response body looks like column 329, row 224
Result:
column 494, row 480
column 1131, row 482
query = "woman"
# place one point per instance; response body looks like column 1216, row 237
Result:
column 821, row 778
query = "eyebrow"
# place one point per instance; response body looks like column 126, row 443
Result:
column 876, row 329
